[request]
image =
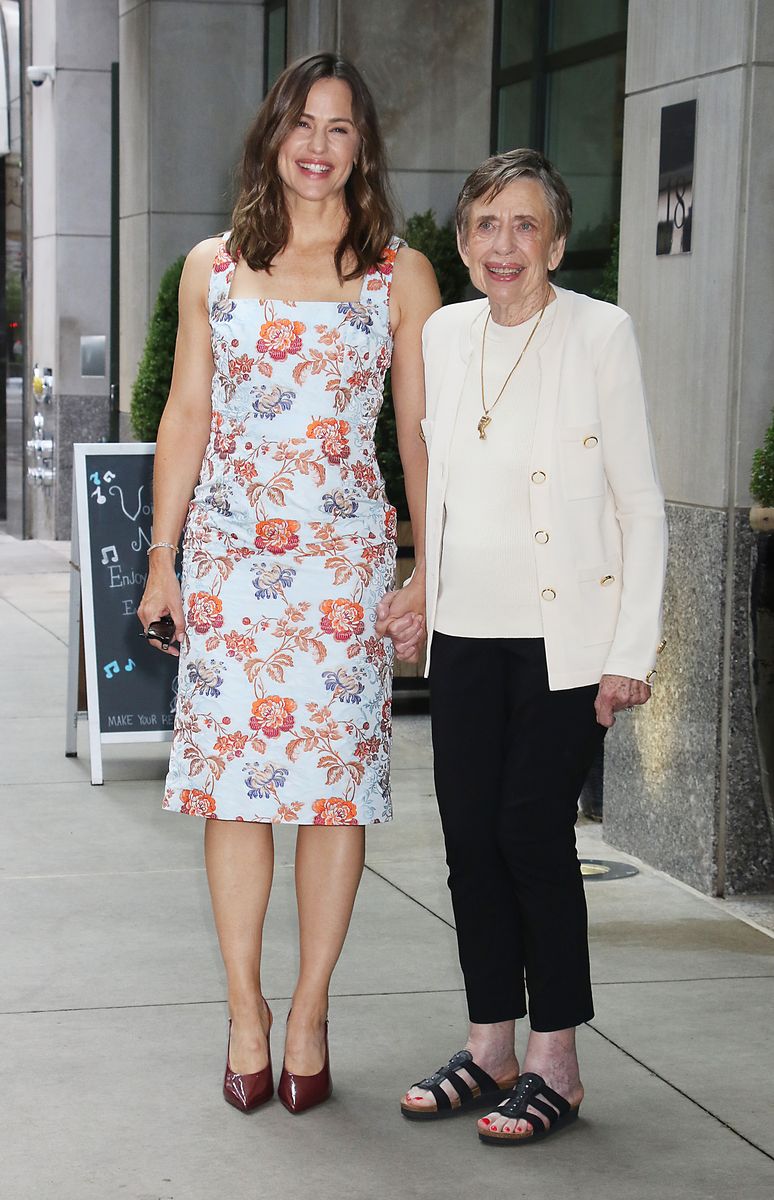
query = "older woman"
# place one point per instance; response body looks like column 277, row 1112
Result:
column 545, row 558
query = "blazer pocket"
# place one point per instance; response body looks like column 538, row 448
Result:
column 600, row 594
column 580, row 451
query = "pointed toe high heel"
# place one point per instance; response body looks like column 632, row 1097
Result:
column 301, row 1092
column 248, row 1092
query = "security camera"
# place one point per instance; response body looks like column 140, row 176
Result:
column 38, row 75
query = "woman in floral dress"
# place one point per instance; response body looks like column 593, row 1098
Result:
column 287, row 327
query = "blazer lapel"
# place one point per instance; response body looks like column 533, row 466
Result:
column 451, row 383
column 551, row 353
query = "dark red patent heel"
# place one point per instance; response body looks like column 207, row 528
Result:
column 301, row 1092
column 248, row 1092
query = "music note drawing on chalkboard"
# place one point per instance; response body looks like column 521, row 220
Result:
column 109, row 555
column 111, row 669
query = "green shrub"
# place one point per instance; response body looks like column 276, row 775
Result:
column 154, row 374
column 608, row 288
column 439, row 244
column 762, row 481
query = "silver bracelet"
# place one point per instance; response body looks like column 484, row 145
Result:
column 158, row 545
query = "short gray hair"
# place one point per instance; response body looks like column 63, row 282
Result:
column 501, row 169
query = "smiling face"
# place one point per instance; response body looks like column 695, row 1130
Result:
column 509, row 246
column 316, row 159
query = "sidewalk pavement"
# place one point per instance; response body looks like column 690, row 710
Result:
column 113, row 1022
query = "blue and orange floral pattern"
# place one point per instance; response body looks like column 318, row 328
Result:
column 283, row 710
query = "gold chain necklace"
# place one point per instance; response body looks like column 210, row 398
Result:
column 486, row 420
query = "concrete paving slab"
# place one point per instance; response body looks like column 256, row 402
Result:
column 105, row 914
column 21, row 636
column 77, row 826
column 32, row 558
column 76, row 829
column 414, row 836
column 36, row 690
column 30, row 592
column 37, row 619
column 76, row 941
column 34, row 755
column 643, row 929
column 414, row 749
column 639, row 929
column 139, row 1115
column 757, row 908
column 713, row 1040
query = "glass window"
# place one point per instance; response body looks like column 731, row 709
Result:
column 583, row 138
column 580, row 279
column 576, row 21
column 517, row 32
column 558, row 82
column 276, row 40
column 513, row 122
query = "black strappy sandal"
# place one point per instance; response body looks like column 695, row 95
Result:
column 531, row 1090
column 483, row 1095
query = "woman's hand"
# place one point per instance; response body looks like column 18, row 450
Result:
column 161, row 598
column 401, row 616
column 617, row 692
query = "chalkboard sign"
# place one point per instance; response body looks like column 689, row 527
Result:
column 131, row 688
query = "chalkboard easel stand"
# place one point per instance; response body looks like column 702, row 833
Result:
column 75, row 643
column 83, row 631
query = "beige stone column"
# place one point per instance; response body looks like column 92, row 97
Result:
column 683, row 783
column 191, row 81
column 69, row 242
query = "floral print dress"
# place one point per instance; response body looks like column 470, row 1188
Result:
column 284, row 689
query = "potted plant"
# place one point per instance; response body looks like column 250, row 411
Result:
column 762, row 612
column 762, row 484
column 154, row 374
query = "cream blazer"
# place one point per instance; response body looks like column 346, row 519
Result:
column 596, row 504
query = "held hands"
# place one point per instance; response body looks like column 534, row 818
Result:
column 616, row 692
column 161, row 598
column 400, row 616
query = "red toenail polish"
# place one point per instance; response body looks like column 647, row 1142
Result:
column 485, row 1121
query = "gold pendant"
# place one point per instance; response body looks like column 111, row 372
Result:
column 482, row 426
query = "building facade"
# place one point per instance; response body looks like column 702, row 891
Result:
column 129, row 151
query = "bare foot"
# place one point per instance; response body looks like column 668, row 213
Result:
column 553, row 1057
column 492, row 1050
column 248, row 1050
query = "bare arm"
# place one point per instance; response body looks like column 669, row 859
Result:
column 182, row 437
column 414, row 297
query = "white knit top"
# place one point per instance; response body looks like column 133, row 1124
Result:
column 488, row 580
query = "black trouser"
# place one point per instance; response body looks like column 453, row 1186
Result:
column 510, row 760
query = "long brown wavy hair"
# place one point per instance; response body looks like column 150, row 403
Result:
column 260, row 226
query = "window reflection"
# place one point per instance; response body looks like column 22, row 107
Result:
column 515, row 107
column 517, row 33
column 276, row 41
column 558, row 81
column 576, row 21
column 583, row 137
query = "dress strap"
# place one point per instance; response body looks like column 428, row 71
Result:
column 378, row 280
column 221, row 274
